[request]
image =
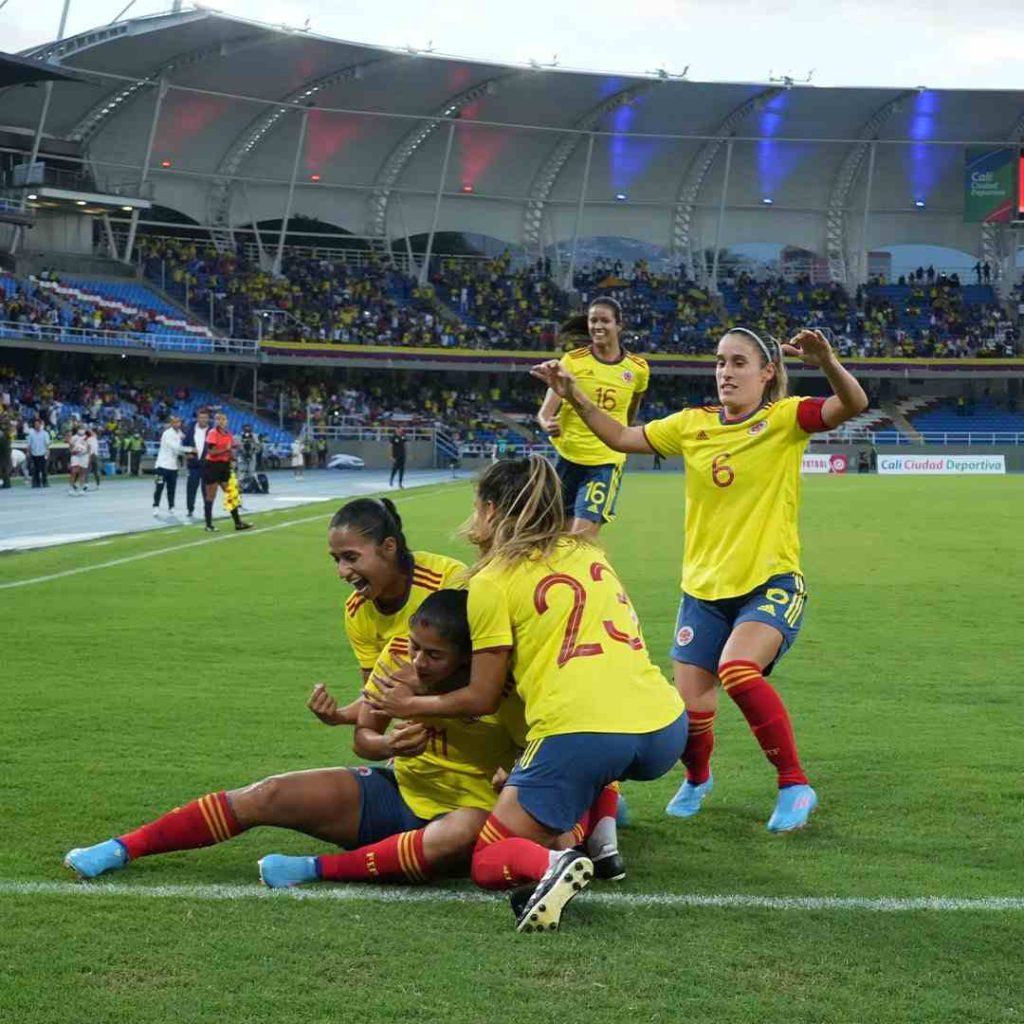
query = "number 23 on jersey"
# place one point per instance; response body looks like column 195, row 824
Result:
column 601, row 576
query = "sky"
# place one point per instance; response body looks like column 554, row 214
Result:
column 935, row 43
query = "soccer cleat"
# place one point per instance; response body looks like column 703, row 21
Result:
column 243, row 526
column 90, row 861
column 568, row 875
column 792, row 809
column 210, row 529
column 610, row 867
column 280, row 872
column 688, row 799
column 622, row 816
column 518, row 898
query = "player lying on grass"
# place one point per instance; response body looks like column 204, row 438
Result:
column 743, row 590
column 415, row 821
column 545, row 606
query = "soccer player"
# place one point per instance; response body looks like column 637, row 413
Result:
column 220, row 443
column 406, row 823
column 545, row 605
column 616, row 380
column 366, row 541
column 743, row 591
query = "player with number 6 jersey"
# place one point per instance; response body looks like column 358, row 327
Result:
column 743, row 590
column 546, row 604
column 616, row 380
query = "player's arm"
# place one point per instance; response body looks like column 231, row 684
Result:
column 618, row 437
column 373, row 742
column 324, row 705
column 848, row 398
column 481, row 697
column 634, row 406
column 547, row 415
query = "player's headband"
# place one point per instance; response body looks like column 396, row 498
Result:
column 763, row 346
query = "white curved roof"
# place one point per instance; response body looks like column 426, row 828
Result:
column 380, row 121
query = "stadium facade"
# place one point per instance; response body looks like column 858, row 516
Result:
column 229, row 122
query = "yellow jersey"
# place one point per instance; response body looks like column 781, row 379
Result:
column 742, row 492
column 611, row 387
column 369, row 629
column 578, row 656
column 462, row 754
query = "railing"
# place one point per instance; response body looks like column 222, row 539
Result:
column 382, row 432
column 958, row 437
column 129, row 339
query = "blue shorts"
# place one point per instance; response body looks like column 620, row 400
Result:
column 703, row 627
column 382, row 811
column 589, row 492
column 559, row 777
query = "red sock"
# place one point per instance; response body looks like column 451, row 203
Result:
column 203, row 822
column 502, row 860
column 767, row 717
column 700, row 741
column 398, row 858
column 605, row 806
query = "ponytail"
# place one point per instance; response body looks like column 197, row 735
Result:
column 529, row 515
column 376, row 519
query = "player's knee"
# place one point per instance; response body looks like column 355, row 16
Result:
column 264, row 800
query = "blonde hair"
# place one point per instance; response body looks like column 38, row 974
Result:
column 529, row 516
column 769, row 351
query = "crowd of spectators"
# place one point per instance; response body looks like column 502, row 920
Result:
column 482, row 304
column 25, row 301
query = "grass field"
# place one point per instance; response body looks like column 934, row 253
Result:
column 904, row 689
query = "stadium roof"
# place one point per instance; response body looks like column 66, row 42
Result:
column 19, row 71
column 518, row 145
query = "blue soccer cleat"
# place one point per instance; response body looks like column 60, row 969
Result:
column 792, row 809
column 688, row 799
column 280, row 872
column 90, row 861
column 622, row 816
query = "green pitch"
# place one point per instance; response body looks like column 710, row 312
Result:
column 131, row 688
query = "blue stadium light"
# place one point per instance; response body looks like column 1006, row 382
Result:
column 620, row 197
column 919, row 203
column 767, row 201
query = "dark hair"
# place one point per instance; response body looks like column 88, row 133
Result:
column 445, row 612
column 376, row 519
column 612, row 304
column 574, row 329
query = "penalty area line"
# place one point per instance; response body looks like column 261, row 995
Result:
column 229, row 535
column 357, row 893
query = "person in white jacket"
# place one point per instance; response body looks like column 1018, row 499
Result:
column 167, row 465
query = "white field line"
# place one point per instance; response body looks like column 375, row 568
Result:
column 230, row 535
column 400, row 894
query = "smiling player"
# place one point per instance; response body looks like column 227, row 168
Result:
column 743, row 591
column 615, row 380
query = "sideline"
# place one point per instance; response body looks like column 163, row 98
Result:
column 230, row 535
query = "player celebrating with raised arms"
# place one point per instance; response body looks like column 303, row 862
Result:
column 545, row 605
column 616, row 380
column 743, row 592
column 366, row 541
column 409, row 824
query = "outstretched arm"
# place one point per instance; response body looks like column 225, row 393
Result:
column 618, row 437
column 848, row 398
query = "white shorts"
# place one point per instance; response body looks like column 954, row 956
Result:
column 81, row 461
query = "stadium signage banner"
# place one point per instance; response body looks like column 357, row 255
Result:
column 989, row 186
column 947, row 465
column 824, row 464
